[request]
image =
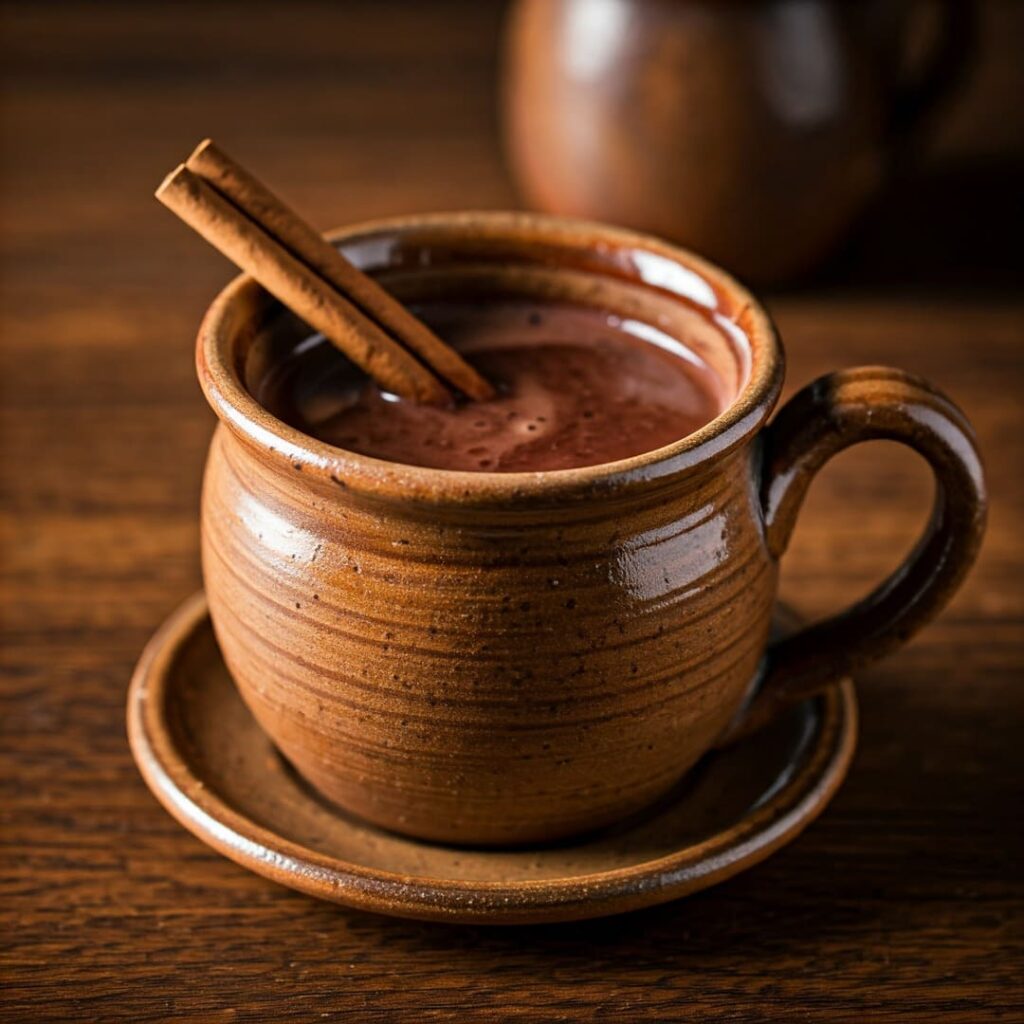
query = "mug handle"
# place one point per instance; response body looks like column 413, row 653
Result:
column 837, row 411
column 943, row 67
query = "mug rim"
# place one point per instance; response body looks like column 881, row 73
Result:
column 242, row 414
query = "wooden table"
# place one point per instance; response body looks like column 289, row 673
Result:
column 904, row 901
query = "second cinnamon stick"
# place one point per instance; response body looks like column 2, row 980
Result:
column 246, row 244
column 253, row 197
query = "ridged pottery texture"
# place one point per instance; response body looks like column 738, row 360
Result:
column 507, row 658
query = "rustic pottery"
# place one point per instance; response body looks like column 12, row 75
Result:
column 753, row 132
column 215, row 770
column 490, row 658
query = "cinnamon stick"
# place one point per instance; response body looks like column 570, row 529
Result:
column 300, row 288
column 255, row 199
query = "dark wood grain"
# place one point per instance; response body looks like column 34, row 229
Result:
column 905, row 901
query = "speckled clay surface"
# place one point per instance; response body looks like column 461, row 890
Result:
column 213, row 768
column 506, row 658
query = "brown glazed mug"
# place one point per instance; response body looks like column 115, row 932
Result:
column 753, row 131
column 492, row 658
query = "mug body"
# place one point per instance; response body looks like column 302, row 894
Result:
column 751, row 132
column 479, row 657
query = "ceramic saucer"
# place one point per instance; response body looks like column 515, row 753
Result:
column 208, row 763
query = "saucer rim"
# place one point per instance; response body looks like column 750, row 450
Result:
column 167, row 772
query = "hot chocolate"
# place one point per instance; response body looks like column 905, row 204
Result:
column 577, row 387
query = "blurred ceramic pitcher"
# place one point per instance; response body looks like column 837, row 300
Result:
column 753, row 131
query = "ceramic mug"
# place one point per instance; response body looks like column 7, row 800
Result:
column 754, row 132
column 499, row 658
